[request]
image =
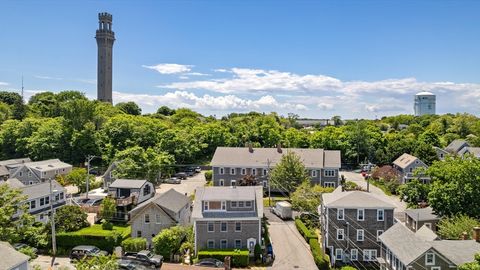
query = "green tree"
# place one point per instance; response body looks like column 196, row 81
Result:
column 413, row 192
column 456, row 186
column 307, row 197
column 78, row 178
column 164, row 110
column 425, row 153
column 108, row 208
column 44, row 104
column 70, row 218
column 289, row 173
column 48, row 141
column 14, row 100
column 452, row 228
column 168, row 241
column 97, row 263
column 475, row 265
column 129, row 108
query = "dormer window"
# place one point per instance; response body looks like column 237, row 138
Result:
column 248, row 204
column 214, row 206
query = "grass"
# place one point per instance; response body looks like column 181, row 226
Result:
column 96, row 230
column 381, row 185
column 274, row 200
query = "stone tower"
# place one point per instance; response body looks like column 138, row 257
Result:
column 105, row 38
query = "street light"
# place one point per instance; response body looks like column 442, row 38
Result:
column 52, row 221
column 87, row 162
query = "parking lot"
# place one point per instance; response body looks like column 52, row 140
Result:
column 186, row 186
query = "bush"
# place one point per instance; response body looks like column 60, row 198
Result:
column 304, row 231
column 108, row 226
column 239, row 257
column 134, row 244
column 29, row 252
column 348, row 268
column 257, row 252
column 70, row 218
column 349, row 185
column 321, row 260
column 168, row 241
column 208, row 175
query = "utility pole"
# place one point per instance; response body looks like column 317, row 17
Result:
column 88, row 159
column 268, row 183
column 52, row 221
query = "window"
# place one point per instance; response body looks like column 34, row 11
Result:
column 429, row 258
column 248, row 204
column 338, row 254
column 205, row 206
column 57, row 197
column 223, row 227
column 241, row 204
column 146, row 190
column 436, row 268
column 428, row 225
column 254, row 171
column 369, row 255
column 340, row 214
column 61, row 195
column 314, row 173
column 244, row 171
column 238, row 226
column 329, row 173
column 139, row 233
column 265, row 184
column 380, row 214
column 224, row 205
column 354, row 254
column 41, row 216
column 264, row 172
column 147, row 218
column 158, row 218
column 221, row 171
column 223, row 243
column 211, row 227
column 389, row 254
column 238, row 243
column 233, row 183
column 32, row 205
column 411, row 169
column 221, row 182
column 42, row 201
column 210, row 244
column 379, row 232
column 29, row 173
column 20, row 174
column 329, row 184
column 232, row 171
column 361, row 214
column 360, row 234
column 47, row 200
column 233, row 204
column 340, row 234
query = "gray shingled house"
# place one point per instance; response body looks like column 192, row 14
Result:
column 231, row 165
column 406, row 165
column 403, row 249
column 227, row 217
column 162, row 211
column 30, row 173
column 416, row 218
column 351, row 222
column 12, row 259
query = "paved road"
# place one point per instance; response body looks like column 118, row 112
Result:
column 291, row 250
column 44, row 262
column 187, row 186
column 360, row 180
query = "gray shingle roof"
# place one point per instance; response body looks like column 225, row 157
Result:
column 404, row 160
column 15, row 183
column 470, row 150
column 10, row 257
column 3, row 170
column 15, row 161
column 456, row 145
column 171, row 200
column 41, row 189
column 240, row 156
column 422, row 214
column 426, row 234
column 47, row 165
column 354, row 199
column 457, row 251
column 128, row 183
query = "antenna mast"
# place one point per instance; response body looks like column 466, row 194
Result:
column 22, row 87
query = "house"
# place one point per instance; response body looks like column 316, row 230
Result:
column 162, row 211
column 351, row 222
column 417, row 218
column 108, row 176
column 228, row 217
column 475, row 151
column 12, row 259
column 30, row 173
column 233, row 165
column 456, row 145
column 129, row 192
column 406, row 165
column 404, row 249
column 441, row 153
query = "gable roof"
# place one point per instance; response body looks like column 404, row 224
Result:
column 456, row 145
column 128, row 183
column 422, row 214
column 259, row 157
column 10, row 257
column 354, row 199
column 405, row 160
column 457, row 251
column 15, row 183
column 47, row 165
column 41, row 189
column 470, row 150
column 14, row 161
column 426, row 234
column 171, row 200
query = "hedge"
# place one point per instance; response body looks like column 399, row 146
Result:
column 304, row 231
column 239, row 257
column 321, row 259
column 94, row 235
column 134, row 244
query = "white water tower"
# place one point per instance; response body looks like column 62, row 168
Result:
column 424, row 103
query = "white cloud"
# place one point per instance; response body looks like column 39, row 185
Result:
column 197, row 74
column 325, row 106
column 87, row 81
column 47, row 77
column 4, row 83
column 166, row 68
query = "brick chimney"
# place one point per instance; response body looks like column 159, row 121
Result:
column 476, row 234
column 279, row 148
column 250, row 147
column 464, row 236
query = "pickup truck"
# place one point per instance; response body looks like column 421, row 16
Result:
column 145, row 257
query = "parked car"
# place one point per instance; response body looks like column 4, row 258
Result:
column 19, row 246
column 198, row 169
column 181, row 175
column 80, row 252
column 210, row 262
column 81, row 201
column 144, row 256
column 190, row 172
column 94, row 202
column 126, row 264
column 283, row 210
column 173, row 180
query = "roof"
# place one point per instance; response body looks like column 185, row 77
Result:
column 41, row 189
column 128, row 183
column 259, row 157
column 4, row 170
column 254, row 193
column 14, row 161
column 10, row 257
column 422, row 214
column 404, row 160
column 426, row 234
column 171, row 200
column 457, row 251
column 456, row 145
column 471, row 150
column 354, row 199
column 15, row 183
column 425, row 94
column 47, row 165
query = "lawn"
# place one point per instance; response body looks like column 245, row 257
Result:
column 274, row 200
column 96, row 230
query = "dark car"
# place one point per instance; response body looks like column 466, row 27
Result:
column 181, row 175
column 145, row 257
column 127, row 264
column 80, row 252
column 210, row 262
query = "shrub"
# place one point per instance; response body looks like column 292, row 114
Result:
column 321, row 260
column 348, row 268
column 29, row 252
column 108, row 226
column 134, row 244
column 239, row 257
column 304, row 231
column 453, row 227
column 168, row 241
column 257, row 252
column 70, row 218
column 208, row 175
column 349, row 185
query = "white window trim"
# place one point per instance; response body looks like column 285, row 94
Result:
column 226, row 227
column 362, row 234
column 221, row 182
column 205, row 206
column 236, row 227
column 338, row 251
column 264, row 172
column 243, row 171
column 248, row 202
column 379, row 232
column 226, row 243
column 332, row 171
column 314, row 173
column 145, row 218
column 329, row 184
column 210, row 241
column 208, row 227
column 340, row 232
column 233, row 183
column 363, row 214
column 436, row 268
column 254, row 171
column 338, row 214
column 354, row 258
column 426, row 258
column 232, row 171
column 265, row 184
column 235, row 243
column 378, row 214
column 158, row 219
column 369, row 252
column 221, row 170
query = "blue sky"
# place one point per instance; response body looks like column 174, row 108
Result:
column 313, row 58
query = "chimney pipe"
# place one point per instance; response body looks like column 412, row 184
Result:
column 464, row 236
column 476, row 233
column 279, row 148
column 250, row 147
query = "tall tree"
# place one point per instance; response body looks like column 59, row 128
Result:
column 108, row 208
column 129, row 108
column 289, row 173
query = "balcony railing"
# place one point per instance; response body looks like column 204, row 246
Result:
column 126, row 201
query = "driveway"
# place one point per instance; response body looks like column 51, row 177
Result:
column 291, row 250
column 44, row 262
column 187, row 186
column 360, row 180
